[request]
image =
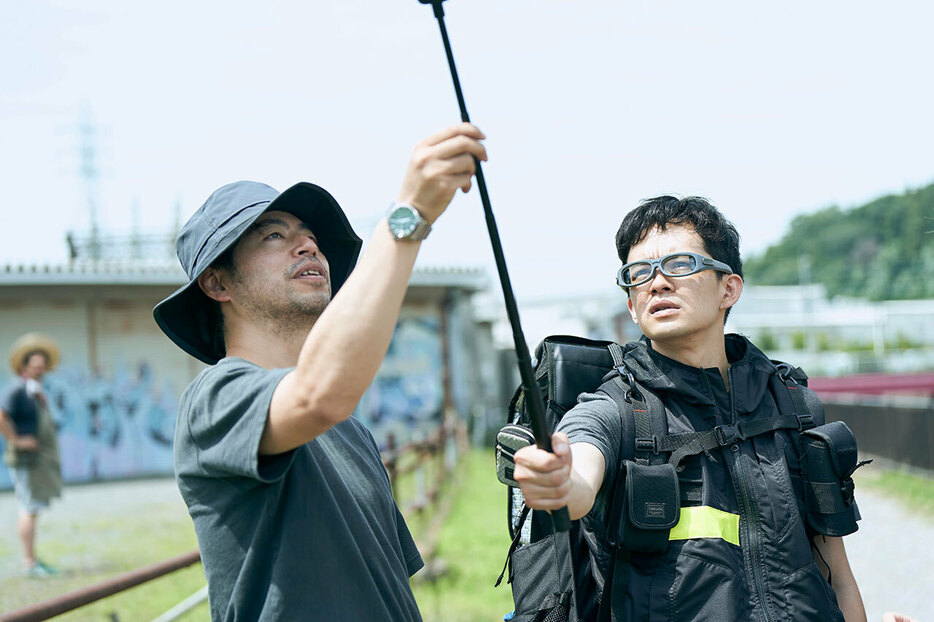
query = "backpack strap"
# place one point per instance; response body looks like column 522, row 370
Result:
column 649, row 422
column 512, row 548
column 797, row 411
column 683, row 445
column 615, row 587
column 638, row 402
column 789, row 387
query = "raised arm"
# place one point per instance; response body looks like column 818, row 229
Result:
column 345, row 347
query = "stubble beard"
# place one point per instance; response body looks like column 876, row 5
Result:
column 289, row 315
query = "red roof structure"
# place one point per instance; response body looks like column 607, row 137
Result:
column 875, row 384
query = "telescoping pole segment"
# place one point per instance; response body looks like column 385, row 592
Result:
column 534, row 401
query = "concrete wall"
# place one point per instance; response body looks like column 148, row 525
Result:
column 115, row 393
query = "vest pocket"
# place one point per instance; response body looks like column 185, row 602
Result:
column 702, row 590
column 780, row 470
column 810, row 597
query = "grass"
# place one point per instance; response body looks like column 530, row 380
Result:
column 108, row 545
column 472, row 545
column 914, row 492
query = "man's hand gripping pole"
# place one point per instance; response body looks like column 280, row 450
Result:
column 534, row 401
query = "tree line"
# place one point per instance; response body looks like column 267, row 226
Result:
column 883, row 250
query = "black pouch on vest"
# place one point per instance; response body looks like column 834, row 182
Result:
column 510, row 439
column 828, row 459
column 649, row 508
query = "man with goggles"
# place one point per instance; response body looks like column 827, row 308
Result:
column 746, row 545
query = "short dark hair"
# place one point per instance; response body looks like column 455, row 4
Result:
column 721, row 240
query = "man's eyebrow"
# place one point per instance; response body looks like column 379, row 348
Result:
column 266, row 223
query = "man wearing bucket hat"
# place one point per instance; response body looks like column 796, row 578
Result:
column 31, row 450
column 291, row 504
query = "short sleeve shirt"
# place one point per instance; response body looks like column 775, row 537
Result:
column 595, row 419
column 21, row 409
column 311, row 534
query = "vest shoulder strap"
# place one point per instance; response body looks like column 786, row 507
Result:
column 649, row 421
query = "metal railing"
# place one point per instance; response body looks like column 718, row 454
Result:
column 411, row 459
column 430, row 463
column 87, row 595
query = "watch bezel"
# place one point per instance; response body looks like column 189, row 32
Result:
column 410, row 230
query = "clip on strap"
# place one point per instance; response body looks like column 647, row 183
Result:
column 726, row 435
column 805, row 421
column 647, row 445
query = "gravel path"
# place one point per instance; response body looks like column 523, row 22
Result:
column 79, row 505
column 891, row 554
column 892, row 557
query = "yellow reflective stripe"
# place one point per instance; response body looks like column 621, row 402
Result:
column 706, row 522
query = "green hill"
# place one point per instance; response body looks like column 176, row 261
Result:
column 883, row 250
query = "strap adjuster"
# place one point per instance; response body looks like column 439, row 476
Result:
column 647, row 444
column 725, row 435
column 805, row 421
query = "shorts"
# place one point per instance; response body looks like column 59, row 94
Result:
column 21, row 486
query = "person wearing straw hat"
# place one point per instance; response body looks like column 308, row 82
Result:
column 31, row 451
column 290, row 500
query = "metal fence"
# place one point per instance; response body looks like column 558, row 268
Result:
column 430, row 463
column 897, row 428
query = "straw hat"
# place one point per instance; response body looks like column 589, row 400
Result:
column 33, row 342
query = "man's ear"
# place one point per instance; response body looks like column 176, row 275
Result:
column 732, row 287
column 212, row 285
column 632, row 311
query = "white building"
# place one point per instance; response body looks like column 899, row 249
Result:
column 798, row 324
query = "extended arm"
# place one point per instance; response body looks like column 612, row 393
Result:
column 830, row 555
column 345, row 347
column 571, row 476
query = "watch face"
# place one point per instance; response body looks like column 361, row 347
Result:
column 403, row 221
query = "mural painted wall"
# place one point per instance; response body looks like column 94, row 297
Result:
column 111, row 426
column 121, row 423
column 407, row 395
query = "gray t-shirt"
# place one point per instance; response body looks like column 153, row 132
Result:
column 595, row 419
column 311, row 534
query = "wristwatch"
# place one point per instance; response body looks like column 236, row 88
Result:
column 406, row 224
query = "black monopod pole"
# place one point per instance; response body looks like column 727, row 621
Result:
column 534, row 401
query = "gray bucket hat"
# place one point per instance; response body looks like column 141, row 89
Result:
column 186, row 316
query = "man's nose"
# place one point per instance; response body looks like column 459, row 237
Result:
column 659, row 281
column 307, row 246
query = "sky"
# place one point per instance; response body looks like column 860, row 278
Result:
column 768, row 109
